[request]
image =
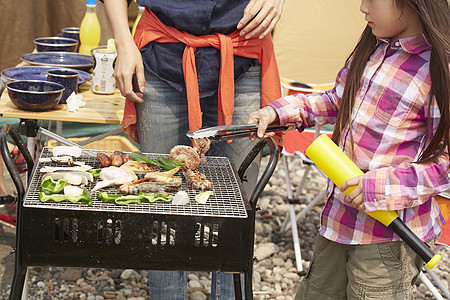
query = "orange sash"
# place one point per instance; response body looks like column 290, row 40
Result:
column 150, row 28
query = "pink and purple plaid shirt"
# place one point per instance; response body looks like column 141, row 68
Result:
column 389, row 123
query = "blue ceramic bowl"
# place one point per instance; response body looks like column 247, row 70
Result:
column 55, row 44
column 34, row 95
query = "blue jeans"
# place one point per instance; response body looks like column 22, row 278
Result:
column 172, row 285
column 162, row 123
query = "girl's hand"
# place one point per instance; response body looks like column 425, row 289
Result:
column 260, row 16
column 355, row 197
column 263, row 118
column 129, row 62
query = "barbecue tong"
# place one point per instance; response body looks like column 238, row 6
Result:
column 229, row 132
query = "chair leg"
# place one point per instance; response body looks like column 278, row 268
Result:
column 291, row 216
column 298, row 253
column 310, row 205
column 290, row 195
column 438, row 282
column 430, row 286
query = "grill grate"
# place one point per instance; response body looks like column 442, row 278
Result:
column 227, row 200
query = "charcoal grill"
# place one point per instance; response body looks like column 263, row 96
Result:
column 216, row 236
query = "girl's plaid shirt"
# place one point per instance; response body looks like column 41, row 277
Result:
column 389, row 123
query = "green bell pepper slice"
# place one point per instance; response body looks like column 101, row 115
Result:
column 152, row 197
column 49, row 186
column 95, row 172
column 121, row 199
column 128, row 199
column 105, row 197
column 85, row 197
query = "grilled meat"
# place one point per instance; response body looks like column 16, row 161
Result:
column 201, row 145
column 162, row 178
column 116, row 159
column 104, row 159
column 196, row 180
column 147, row 187
column 139, row 167
column 185, row 154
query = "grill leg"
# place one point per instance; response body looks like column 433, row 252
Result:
column 18, row 282
column 237, row 286
column 248, row 276
column 247, row 285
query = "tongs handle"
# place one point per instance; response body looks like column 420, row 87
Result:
column 212, row 131
column 228, row 132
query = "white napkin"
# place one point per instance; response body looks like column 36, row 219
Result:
column 74, row 102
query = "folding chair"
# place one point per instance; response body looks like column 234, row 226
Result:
column 295, row 143
column 444, row 204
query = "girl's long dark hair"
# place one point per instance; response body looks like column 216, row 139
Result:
column 434, row 16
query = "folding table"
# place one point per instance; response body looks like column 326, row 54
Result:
column 99, row 109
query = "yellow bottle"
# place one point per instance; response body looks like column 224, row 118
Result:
column 140, row 12
column 89, row 29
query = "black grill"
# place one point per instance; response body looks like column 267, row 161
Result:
column 216, row 236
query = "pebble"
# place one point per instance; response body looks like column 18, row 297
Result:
column 275, row 274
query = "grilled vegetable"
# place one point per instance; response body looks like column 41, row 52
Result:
column 169, row 164
column 128, row 199
column 95, row 172
column 203, row 197
column 153, row 197
column 72, row 177
column 121, row 199
column 162, row 162
column 105, row 197
column 138, row 156
column 72, row 191
column 85, row 197
column 49, row 186
column 181, row 198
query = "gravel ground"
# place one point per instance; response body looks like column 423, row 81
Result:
column 275, row 275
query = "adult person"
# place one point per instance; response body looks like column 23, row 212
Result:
column 196, row 64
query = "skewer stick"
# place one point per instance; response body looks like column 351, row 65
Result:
column 339, row 168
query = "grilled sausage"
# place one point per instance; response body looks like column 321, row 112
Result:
column 116, row 159
column 125, row 157
column 104, row 159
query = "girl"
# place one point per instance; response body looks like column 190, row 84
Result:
column 390, row 107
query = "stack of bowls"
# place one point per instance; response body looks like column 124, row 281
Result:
column 55, row 44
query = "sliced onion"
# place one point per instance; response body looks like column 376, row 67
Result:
column 181, row 198
column 72, row 191
column 203, row 197
column 72, row 177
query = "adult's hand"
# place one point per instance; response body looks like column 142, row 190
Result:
column 128, row 63
column 129, row 60
column 260, row 16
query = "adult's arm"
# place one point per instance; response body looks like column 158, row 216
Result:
column 129, row 60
